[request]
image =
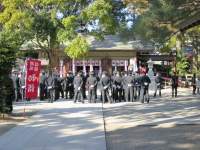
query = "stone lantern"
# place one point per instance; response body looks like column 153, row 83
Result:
column 152, row 86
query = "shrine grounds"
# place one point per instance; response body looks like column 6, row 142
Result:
column 165, row 123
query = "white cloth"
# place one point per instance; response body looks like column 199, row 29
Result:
column 49, row 87
column 198, row 83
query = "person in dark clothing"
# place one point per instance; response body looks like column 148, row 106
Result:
column 112, row 86
column 69, row 87
column 194, row 84
column 60, row 87
column 137, row 86
column 118, row 84
column 124, row 89
column 78, row 84
column 42, row 86
column 97, row 77
column 144, row 91
column 158, row 81
column 50, row 84
column 22, row 82
column 83, row 88
column 15, row 81
column 55, row 88
column 129, row 82
column 105, row 83
column 174, row 84
column 91, row 82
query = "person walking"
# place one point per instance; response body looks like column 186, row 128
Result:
column 137, row 86
column 91, row 82
column 105, row 83
column 174, row 84
column 144, row 92
column 118, row 84
column 50, row 84
column 194, row 84
column 158, row 81
column 78, row 85
column 129, row 82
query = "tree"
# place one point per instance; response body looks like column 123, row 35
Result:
column 51, row 22
column 10, row 43
column 157, row 22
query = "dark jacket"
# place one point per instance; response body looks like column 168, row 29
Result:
column 137, row 80
column 15, row 81
column 175, row 81
column 91, row 82
column 145, row 81
column 42, row 81
column 105, row 82
column 78, row 82
column 129, row 80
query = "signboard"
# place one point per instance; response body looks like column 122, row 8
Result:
column 32, row 78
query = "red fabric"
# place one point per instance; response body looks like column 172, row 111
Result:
column 32, row 78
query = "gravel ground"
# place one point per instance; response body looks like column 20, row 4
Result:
column 127, row 124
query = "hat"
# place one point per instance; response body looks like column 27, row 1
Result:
column 114, row 72
column 69, row 72
column 117, row 72
column 130, row 72
column 23, row 73
column 104, row 72
column 50, row 73
column 80, row 72
column 91, row 73
column 42, row 71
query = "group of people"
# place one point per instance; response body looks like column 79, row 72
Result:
column 127, row 86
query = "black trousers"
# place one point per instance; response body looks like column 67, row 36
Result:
column 91, row 95
column 129, row 93
column 118, row 94
column 144, row 95
column 174, row 91
column 60, row 91
column 41, row 94
column 136, row 92
column 104, row 95
column 50, row 95
column 16, row 94
column 158, row 87
column 70, row 90
column 78, row 94
column 194, row 89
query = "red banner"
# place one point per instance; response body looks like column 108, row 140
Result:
column 32, row 78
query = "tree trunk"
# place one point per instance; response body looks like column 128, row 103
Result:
column 195, row 55
column 54, row 60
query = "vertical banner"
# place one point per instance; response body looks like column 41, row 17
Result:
column 73, row 66
column 32, row 78
column 61, row 68
column 91, row 65
column 100, row 68
column 125, row 65
column 84, row 67
column 135, row 68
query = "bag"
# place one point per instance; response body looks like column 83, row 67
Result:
column 86, row 86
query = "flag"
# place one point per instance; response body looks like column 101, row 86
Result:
column 135, row 68
column 84, row 67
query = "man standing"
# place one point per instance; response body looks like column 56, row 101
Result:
column 59, row 87
column 118, row 84
column 105, row 83
column 144, row 92
column 129, row 82
column 50, row 84
column 22, row 82
column 78, row 84
column 137, row 86
column 113, row 88
column 69, row 87
column 42, row 85
column 15, row 81
column 91, row 82
column 174, row 84
column 194, row 83
column 158, row 81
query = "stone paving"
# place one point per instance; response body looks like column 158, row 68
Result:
column 62, row 125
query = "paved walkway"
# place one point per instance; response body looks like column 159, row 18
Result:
column 165, row 110
column 62, row 125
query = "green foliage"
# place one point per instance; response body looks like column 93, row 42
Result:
column 78, row 48
column 181, row 63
